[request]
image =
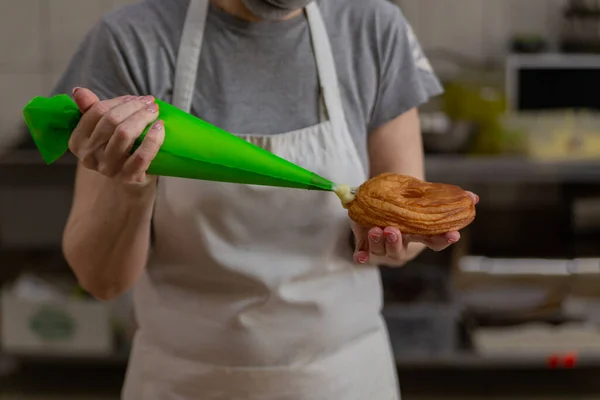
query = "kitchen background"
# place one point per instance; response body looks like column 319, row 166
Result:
column 512, row 312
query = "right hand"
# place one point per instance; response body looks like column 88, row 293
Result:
column 104, row 138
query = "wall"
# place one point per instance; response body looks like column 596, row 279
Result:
column 480, row 29
column 37, row 40
column 39, row 36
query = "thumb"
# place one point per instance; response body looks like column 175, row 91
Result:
column 361, row 236
column 84, row 98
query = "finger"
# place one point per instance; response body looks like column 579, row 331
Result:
column 437, row 243
column 120, row 144
column 361, row 257
column 376, row 242
column 394, row 246
column 90, row 119
column 361, row 251
column 115, row 117
column 138, row 163
column 473, row 197
column 84, row 98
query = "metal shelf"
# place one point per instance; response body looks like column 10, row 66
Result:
column 438, row 167
column 510, row 170
column 504, row 361
column 115, row 360
column 455, row 361
column 32, row 157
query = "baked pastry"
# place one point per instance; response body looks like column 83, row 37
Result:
column 412, row 205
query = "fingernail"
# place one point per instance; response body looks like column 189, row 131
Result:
column 362, row 258
column 159, row 125
column 75, row 90
column 376, row 238
column 129, row 98
column 147, row 99
column 391, row 237
column 452, row 240
column 152, row 108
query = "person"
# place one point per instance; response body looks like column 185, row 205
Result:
column 240, row 291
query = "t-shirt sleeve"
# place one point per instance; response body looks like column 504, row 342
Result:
column 406, row 79
column 101, row 64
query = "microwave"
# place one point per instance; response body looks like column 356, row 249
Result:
column 546, row 82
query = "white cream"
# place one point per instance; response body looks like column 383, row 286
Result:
column 345, row 193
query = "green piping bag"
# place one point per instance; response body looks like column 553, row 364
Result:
column 192, row 149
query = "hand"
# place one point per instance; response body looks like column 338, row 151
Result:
column 387, row 246
column 104, row 138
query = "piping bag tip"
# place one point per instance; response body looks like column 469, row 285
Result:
column 51, row 120
column 345, row 193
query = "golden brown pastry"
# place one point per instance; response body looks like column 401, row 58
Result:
column 413, row 206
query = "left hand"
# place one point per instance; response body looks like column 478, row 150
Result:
column 387, row 246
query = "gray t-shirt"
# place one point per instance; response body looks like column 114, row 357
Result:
column 261, row 77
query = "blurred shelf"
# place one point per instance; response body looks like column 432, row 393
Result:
column 509, row 170
column 499, row 361
column 33, row 157
column 116, row 360
column 26, row 169
column 455, row 361
column 105, row 381
column 450, row 168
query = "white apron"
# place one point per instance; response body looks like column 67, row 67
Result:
column 251, row 292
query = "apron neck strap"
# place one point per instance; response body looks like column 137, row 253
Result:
column 188, row 56
column 328, row 78
column 190, row 48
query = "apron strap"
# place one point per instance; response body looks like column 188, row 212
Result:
column 328, row 78
column 188, row 56
column 323, row 115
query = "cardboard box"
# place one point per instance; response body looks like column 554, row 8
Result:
column 72, row 328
